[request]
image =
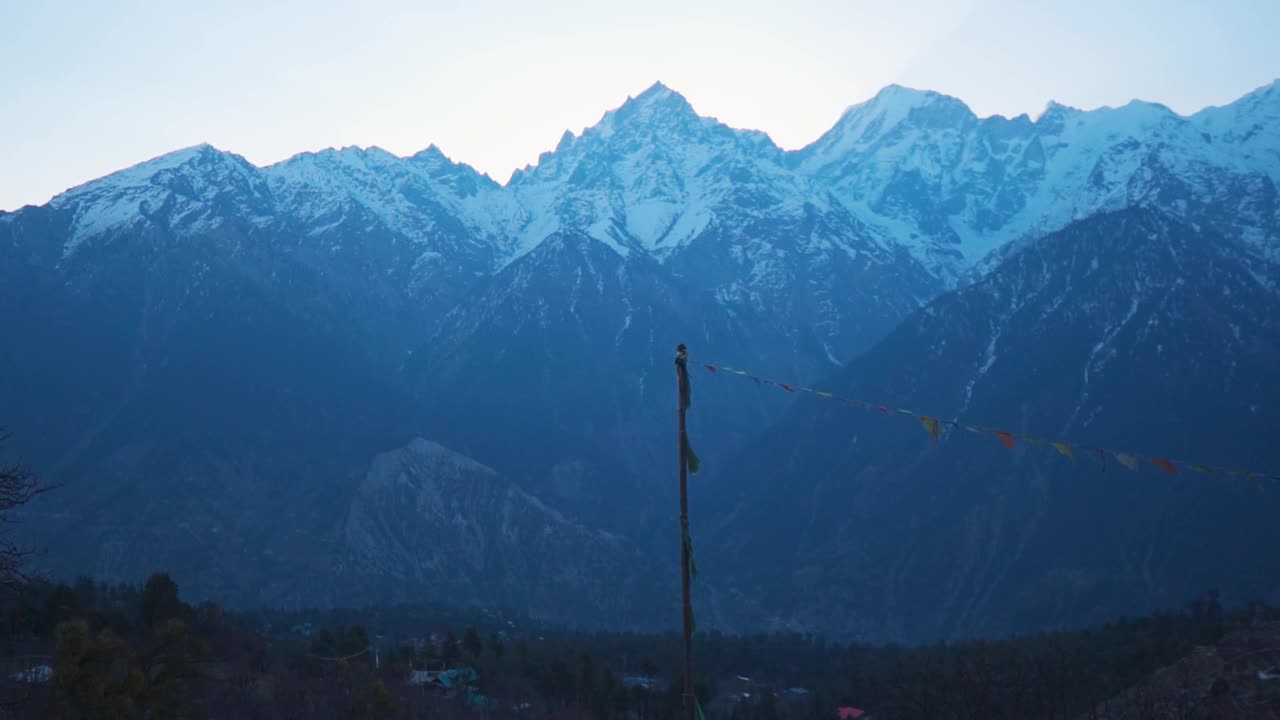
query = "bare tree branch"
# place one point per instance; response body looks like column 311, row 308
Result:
column 18, row 486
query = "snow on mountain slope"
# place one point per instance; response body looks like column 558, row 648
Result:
column 916, row 169
column 418, row 198
column 1251, row 126
column 652, row 176
column 927, row 172
column 192, row 190
column 425, row 199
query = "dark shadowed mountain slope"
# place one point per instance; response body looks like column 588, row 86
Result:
column 1126, row 330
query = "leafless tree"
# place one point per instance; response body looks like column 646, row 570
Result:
column 18, row 486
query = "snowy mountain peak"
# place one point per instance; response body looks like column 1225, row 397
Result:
column 440, row 166
column 176, row 188
column 1053, row 107
column 657, row 94
column 430, row 156
column 896, row 103
column 143, row 172
column 890, row 113
column 658, row 109
column 651, row 176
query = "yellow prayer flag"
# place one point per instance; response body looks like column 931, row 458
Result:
column 931, row 426
column 1063, row 448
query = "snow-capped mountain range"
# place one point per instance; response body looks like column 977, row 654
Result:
column 260, row 334
column 915, row 169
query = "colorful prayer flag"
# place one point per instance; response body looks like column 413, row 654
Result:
column 691, row 458
column 1127, row 460
column 931, row 426
column 688, row 544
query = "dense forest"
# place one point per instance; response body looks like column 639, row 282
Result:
column 91, row 650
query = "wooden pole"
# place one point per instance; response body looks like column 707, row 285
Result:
column 682, row 380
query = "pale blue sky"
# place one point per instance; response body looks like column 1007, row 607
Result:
column 91, row 87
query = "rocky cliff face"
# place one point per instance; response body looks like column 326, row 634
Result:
column 428, row 522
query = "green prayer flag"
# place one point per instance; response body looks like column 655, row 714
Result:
column 688, row 545
column 690, row 457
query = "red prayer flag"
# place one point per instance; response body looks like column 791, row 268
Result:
column 712, row 368
column 1006, row 439
column 884, row 409
column 1164, row 465
column 786, row 387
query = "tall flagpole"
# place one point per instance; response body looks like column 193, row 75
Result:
column 682, row 386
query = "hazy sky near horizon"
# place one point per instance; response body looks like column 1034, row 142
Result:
column 92, row 87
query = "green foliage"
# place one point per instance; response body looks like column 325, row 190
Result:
column 373, row 703
column 181, row 662
column 159, row 600
column 99, row 675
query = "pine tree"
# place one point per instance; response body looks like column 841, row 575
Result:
column 472, row 644
column 159, row 600
column 450, row 652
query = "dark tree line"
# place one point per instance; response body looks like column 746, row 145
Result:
column 126, row 651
